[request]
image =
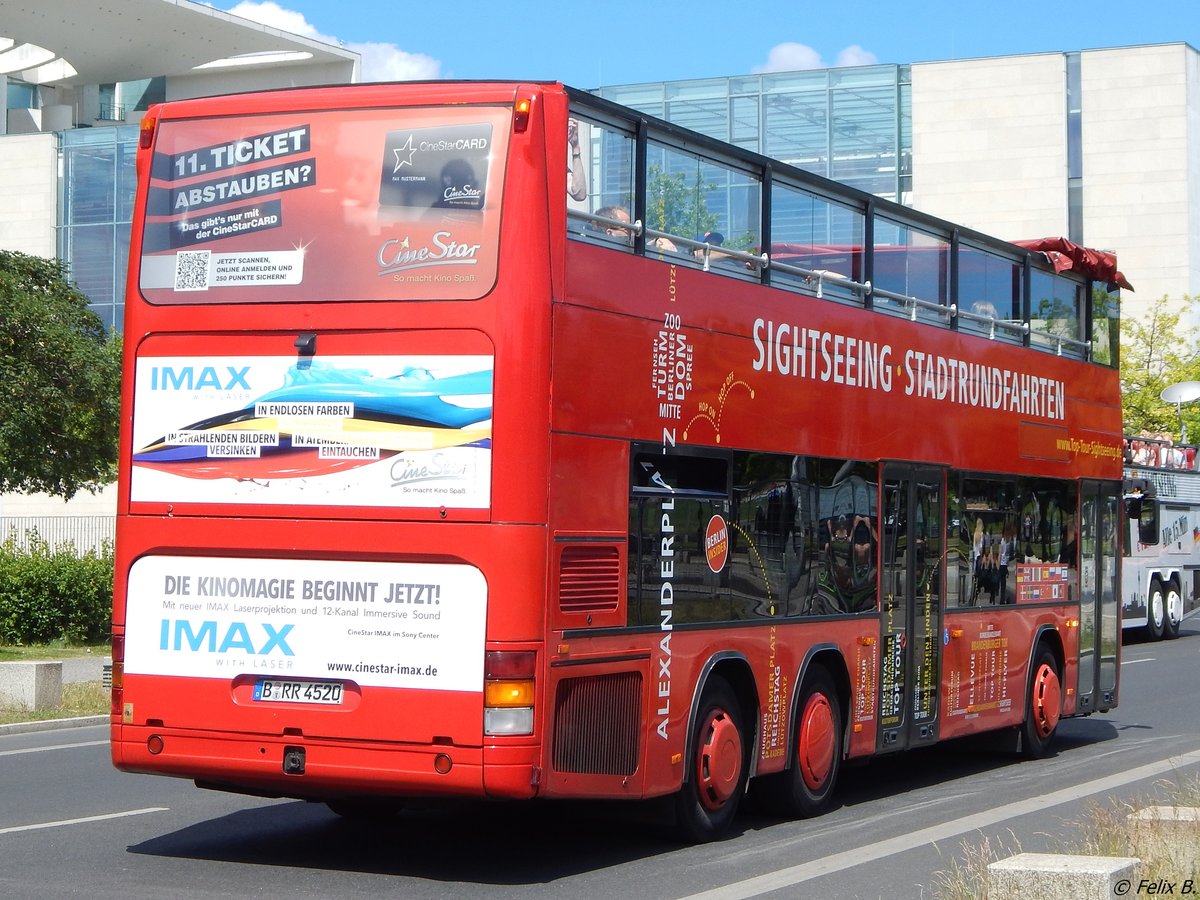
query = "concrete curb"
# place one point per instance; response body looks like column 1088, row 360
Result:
column 74, row 670
column 52, row 724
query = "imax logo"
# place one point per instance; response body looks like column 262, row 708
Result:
column 192, row 378
column 213, row 638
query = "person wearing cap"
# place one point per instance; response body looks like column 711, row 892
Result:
column 714, row 239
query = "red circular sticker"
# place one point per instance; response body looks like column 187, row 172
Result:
column 716, row 543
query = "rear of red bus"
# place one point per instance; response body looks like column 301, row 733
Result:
column 331, row 542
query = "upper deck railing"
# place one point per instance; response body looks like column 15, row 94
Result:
column 652, row 188
column 1160, row 453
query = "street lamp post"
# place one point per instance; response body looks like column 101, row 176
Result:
column 1180, row 393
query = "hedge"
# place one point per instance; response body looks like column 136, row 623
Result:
column 50, row 594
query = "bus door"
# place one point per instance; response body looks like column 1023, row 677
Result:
column 1099, row 595
column 913, row 546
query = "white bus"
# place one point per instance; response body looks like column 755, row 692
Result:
column 1160, row 582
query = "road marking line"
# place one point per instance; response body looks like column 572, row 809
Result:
column 85, row 819
column 794, row 875
column 53, row 747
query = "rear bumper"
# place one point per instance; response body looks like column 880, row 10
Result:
column 254, row 764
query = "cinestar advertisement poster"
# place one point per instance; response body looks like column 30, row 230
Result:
column 412, row 625
column 338, row 430
column 362, row 204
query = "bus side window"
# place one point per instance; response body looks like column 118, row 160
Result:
column 1147, row 516
column 600, row 165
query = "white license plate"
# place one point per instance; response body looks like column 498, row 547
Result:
column 280, row 691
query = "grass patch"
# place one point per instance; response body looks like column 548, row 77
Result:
column 1108, row 831
column 85, row 698
column 1105, row 829
column 56, row 650
column 968, row 879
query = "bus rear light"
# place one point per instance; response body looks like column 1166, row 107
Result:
column 508, row 691
column 508, row 694
column 146, row 135
column 508, row 721
column 442, row 764
column 117, row 676
column 154, row 744
column 509, row 664
column 521, row 115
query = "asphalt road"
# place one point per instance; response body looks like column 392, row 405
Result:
column 71, row 826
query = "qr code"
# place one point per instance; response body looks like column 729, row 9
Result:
column 191, row 270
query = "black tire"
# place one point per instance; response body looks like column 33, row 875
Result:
column 1155, row 611
column 366, row 809
column 804, row 789
column 1043, row 705
column 716, row 779
column 1172, row 610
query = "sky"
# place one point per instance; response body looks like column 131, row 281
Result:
column 593, row 43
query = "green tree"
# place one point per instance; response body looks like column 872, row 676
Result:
column 1157, row 350
column 1106, row 326
column 674, row 206
column 60, row 374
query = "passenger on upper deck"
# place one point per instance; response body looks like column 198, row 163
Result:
column 577, row 186
column 717, row 257
column 715, row 239
column 621, row 214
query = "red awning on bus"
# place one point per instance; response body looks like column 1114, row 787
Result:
column 1066, row 255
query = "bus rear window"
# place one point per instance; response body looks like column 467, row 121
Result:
column 349, row 204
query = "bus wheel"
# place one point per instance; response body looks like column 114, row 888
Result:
column 707, row 802
column 366, row 808
column 1172, row 610
column 1043, row 706
column 811, row 778
column 1155, row 611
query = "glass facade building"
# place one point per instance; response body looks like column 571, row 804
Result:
column 96, row 188
column 853, row 124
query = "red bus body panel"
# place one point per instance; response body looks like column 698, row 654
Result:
column 591, row 353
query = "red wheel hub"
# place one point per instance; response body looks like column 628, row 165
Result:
column 719, row 760
column 1046, row 700
column 817, row 741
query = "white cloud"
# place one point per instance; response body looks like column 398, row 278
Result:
column 790, row 57
column 855, row 55
column 386, row 62
column 380, row 62
column 275, row 16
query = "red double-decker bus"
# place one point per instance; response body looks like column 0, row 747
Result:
column 494, row 440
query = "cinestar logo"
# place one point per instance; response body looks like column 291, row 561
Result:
column 401, row 160
column 397, row 255
column 193, row 378
column 253, row 639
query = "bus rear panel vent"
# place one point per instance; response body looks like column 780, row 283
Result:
column 596, row 724
column 589, row 579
